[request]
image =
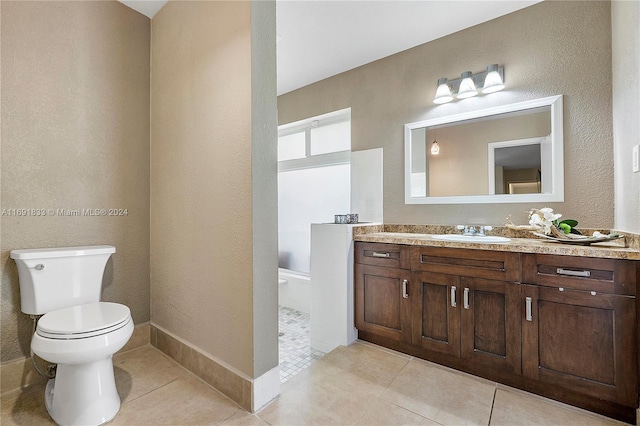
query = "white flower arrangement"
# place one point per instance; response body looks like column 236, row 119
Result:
column 544, row 219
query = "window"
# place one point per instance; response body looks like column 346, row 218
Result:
column 291, row 146
column 313, row 182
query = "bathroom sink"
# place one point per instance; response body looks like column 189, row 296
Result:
column 479, row 239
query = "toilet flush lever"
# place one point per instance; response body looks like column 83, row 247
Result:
column 38, row 267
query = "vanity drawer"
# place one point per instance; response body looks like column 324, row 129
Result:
column 613, row 276
column 379, row 254
column 492, row 265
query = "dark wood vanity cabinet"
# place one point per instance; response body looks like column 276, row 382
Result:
column 579, row 325
column 565, row 327
column 442, row 302
column 490, row 325
column 435, row 314
column 473, row 319
column 381, row 290
column 457, row 313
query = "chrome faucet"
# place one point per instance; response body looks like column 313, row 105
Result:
column 472, row 231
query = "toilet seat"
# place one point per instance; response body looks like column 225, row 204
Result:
column 83, row 321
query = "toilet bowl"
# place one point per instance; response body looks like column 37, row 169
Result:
column 77, row 331
column 81, row 340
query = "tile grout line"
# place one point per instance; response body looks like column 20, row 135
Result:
column 151, row 391
column 493, row 403
column 395, row 404
column 411, row 411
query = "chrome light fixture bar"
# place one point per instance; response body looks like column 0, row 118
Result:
column 490, row 81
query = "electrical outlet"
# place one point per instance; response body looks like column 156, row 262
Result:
column 636, row 158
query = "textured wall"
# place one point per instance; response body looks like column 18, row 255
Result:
column 264, row 159
column 202, row 193
column 547, row 49
column 75, row 135
column 625, row 24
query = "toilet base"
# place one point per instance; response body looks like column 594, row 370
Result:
column 83, row 394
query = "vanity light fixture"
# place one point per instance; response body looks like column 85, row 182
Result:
column 491, row 81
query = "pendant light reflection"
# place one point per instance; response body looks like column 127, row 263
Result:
column 435, row 148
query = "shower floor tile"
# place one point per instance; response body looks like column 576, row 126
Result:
column 294, row 343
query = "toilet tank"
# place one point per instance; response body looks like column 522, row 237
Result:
column 57, row 278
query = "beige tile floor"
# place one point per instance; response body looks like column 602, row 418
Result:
column 357, row 385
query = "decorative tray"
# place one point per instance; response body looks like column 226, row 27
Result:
column 581, row 241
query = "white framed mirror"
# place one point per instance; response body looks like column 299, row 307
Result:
column 507, row 154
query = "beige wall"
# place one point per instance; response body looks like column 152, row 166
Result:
column 625, row 24
column 547, row 49
column 75, row 134
column 209, row 151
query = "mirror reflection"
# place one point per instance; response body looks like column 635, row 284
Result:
column 486, row 157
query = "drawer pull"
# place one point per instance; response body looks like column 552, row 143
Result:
column 405, row 295
column 562, row 271
column 593, row 293
column 376, row 254
column 453, row 296
column 466, row 298
column 528, row 305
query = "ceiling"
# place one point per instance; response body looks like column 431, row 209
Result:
column 146, row 7
column 317, row 39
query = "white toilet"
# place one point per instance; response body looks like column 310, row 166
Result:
column 77, row 331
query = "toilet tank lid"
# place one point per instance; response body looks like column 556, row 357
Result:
column 46, row 253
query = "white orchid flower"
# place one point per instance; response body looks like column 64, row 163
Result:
column 543, row 219
column 548, row 214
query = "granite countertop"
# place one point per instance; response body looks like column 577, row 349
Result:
column 404, row 234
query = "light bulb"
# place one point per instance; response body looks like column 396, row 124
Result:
column 443, row 92
column 435, row 148
column 493, row 82
column 467, row 86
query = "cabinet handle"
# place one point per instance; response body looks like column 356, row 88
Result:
column 376, row 254
column 562, row 271
column 528, row 313
column 405, row 295
column 466, row 298
column 453, row 296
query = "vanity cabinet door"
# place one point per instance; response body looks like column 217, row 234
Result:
column 490, row 324
column 435, row 307
column 582, row 341
column 382, row 303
